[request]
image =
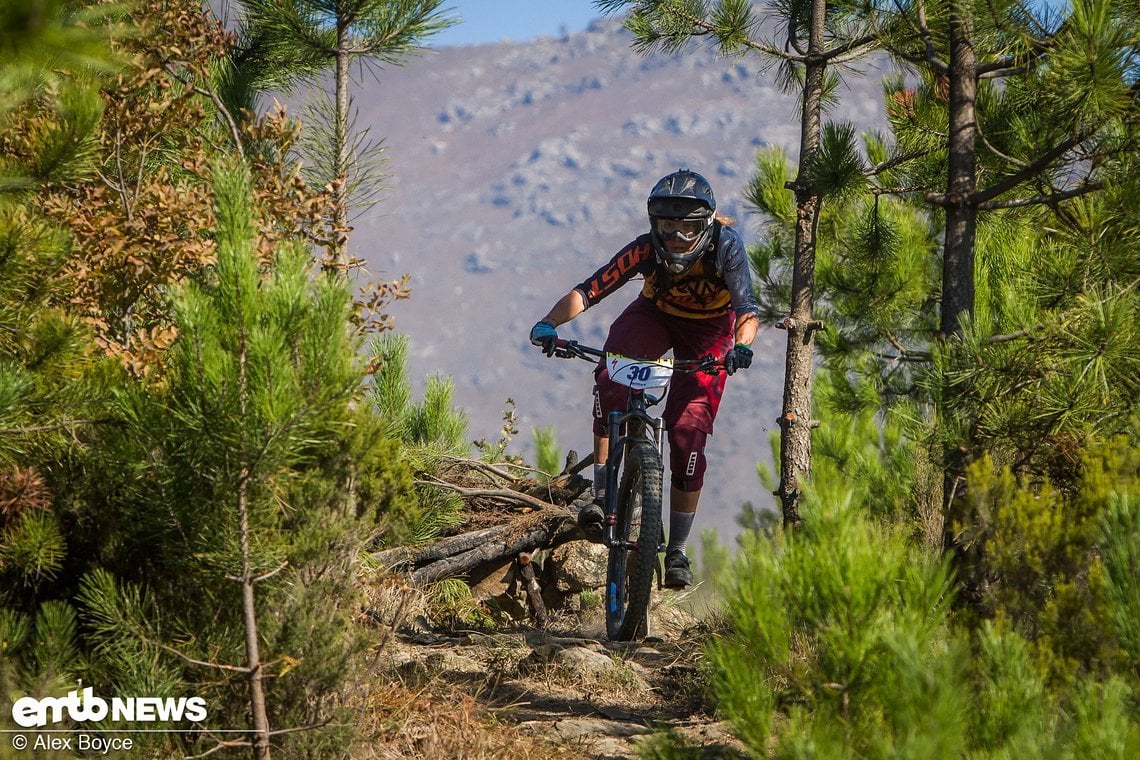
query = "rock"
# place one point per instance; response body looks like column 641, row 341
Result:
column 577, row 566
column 496, row 583
column 584, row 660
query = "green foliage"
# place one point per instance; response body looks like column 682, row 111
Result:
column 843, row 627
column 1048, row 391
column 55, row 56
column 1027, row 554
column 1054, row 564
column 838, row 167
column 670, row 745
column 261, row 406
column 430, row 430
column 432, row 424
column 1120, row 552
column 450, row 601
column 46, row 44
column 842, row 645
column 547, row 455
column 32, row 549
column 290, row 44
column 40, row 654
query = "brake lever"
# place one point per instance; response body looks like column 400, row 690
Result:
column 567, row 350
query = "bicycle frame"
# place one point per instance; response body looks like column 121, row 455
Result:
column 639, row 423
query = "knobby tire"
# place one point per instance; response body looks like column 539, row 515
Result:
column 629, row 573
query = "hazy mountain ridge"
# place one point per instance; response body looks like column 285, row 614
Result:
column 519, row 168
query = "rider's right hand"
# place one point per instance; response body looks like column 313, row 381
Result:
column 543, row 334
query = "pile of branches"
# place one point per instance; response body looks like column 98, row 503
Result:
column 529, row 516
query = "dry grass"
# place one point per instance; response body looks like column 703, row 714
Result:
column 438, row 721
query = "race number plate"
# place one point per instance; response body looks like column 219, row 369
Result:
column 639, row 374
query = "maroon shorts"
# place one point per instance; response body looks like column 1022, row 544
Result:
column 643, row 330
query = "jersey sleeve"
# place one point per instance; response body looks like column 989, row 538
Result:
column 634, row 258
column 732, row 263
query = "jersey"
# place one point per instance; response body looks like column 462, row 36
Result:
column 717, row 283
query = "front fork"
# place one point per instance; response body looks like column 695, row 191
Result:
column 641, row 424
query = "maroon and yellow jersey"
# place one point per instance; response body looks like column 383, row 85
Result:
column 718, row 283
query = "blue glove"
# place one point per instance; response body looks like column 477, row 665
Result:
column 738, row 357
column 543, row 334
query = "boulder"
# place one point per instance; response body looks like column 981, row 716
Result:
column 577, row 566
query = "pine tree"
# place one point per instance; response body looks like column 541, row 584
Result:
column 1036, row 110
column 286, row 43
column 233, row 505
column 431, row 431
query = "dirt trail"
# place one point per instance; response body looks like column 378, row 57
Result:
column 563, row 692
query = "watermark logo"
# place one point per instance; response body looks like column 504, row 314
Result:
column 84, row 707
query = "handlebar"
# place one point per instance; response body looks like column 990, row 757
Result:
column 572, row 349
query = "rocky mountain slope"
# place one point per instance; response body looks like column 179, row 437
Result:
column 518, row 168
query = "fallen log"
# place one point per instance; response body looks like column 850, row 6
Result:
column 546, row 530
column 416, row 556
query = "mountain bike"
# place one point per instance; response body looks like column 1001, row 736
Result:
column 633, row 530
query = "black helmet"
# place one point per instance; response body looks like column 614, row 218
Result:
column 681, row 196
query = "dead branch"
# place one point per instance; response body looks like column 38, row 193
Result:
column 533, row 590
column 553, row 528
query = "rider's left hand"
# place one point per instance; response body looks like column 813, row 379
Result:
column 738, row 357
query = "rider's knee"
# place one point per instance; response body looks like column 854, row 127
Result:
column 687, row 457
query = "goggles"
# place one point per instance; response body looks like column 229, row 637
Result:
column 687, row 230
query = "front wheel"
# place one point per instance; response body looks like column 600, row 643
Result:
column 633, row 555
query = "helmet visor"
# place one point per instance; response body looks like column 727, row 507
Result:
column 685, row 230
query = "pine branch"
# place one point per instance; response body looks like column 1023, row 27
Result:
column 1036, row 200
column 992, row 149
column 1022, row 62
column 894, row 161
column 295, row 729
column 1029, row 14
column 261, row 578
column 794, row 42
column 706, row 27
column 221, row 745
column 201, row 663
column 905, row 190
column 983, row 199
column 851, row 49
column 64, row 425
column 929, row 54
column 906, row 354
column 209, row 92
column 1016, row 335
column 1028, row 170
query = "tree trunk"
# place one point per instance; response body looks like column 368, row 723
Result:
column 958, row 248
column 795, row 418
column 249, row 615
column 961, row 216
column 339, row 252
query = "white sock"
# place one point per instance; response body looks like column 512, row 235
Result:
column 600, row 482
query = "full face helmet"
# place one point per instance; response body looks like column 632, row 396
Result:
column 681, row 210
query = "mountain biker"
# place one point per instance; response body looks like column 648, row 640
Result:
column 696, row 299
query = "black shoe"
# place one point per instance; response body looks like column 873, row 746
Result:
column 590, row 519
column 677, row 572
